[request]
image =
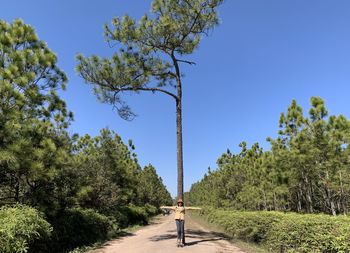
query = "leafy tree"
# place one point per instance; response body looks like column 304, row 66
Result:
column 150, row 56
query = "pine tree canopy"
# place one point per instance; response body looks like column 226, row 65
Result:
column 150, row 50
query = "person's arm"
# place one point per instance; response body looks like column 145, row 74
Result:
column 192, row 208
column 168, row 207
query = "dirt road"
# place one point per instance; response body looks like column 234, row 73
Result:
column 160, row 237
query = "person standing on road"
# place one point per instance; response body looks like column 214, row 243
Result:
column 180, row 220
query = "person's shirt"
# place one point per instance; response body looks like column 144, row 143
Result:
column 179, row 213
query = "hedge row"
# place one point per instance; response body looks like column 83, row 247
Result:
column 285, row 232
column 24, row 229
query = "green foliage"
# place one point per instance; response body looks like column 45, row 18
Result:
column 77, row 227
column 109, row 170
column 132, row 214
column 137, row 215
column 20, row 226
column 285, row 232
column 151, row 188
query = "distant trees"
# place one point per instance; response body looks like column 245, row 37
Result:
column 306, row 170
column 151, row 188
column 150, row 56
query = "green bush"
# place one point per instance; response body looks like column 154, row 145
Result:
column 151, row 210
column 310, row 233
column 20, row 226
column 78, row 227
column 248, row 226
column 285, row 233
column 137, row 215
column 129, row 215
column 123, row 216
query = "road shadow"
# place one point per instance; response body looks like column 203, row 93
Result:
column 202, row 241
column 202, row 236
column 117, row 237
column 157, row 238
column 204, row 233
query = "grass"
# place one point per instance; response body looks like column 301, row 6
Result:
column 246, row 246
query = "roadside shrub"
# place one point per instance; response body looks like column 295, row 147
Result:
column 78, row 227
column 151, row 210
column 20, row 226
column 137, row 215
column 310, row 233
column 285, row 233
column 131, row 214
column 120, row 216
column 248, row 226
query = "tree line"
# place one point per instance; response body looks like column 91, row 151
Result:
column 306, row 170
column 41, row 164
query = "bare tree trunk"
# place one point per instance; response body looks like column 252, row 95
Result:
column 180, row 173
column 299, row 195
column 334, row 213
column 17, row 187
column 265, row 201
column 180, row 169
column 329, row 196
column 309, row 200
column 308, row 193
column 275, row 208
column 342, row 196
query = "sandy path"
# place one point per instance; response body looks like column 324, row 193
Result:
column 160, row 237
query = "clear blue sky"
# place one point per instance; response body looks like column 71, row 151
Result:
column 263, row 55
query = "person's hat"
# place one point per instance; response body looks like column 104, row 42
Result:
column 180, row 201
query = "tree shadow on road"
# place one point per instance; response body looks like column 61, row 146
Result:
column 203, row 236
column 157, row 238
column 116, row 237
column 193, row 234
column 207, row 234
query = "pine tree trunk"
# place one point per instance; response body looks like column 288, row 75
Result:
column 17, row 188
column 180, row 169
column 275, row 208
column 342, row 198
column 265, row 201
column 329, row 196
column 309, row 200
column 308, row 193
column 334, row 213
column 180, row 175
column 299, row 196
